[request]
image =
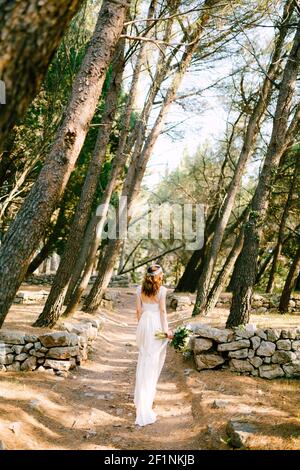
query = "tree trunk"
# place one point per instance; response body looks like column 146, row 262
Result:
column 248, row 146
column 193, row 281
column 184, row 283
column 54, row 304
column 189, row 278
column 140, row 159
column 264, row 264
column 26, row 231
column 30, row 33
column 221, row 280
column 247, row 260
column 6, row 160
column 93, row 235
column 45, row 252
column 280, row 236
column 263, row 267
column 290, row 283
column 119, row 162
column 80, row 261
column 297, row 285
column 49, row 246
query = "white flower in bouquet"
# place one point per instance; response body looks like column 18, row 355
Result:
column 180, row 340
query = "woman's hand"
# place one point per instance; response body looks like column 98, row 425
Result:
column 170, row 334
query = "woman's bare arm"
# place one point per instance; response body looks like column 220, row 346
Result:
column 138, row 307
column 163, row 315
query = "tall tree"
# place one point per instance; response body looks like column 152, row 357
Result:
column 252, row 131
column 92, row 238
column 30, row 33
column 141, row 157
column 26, row 231
column 281, row 138
column 290, row 283
column 222, row 277
column 54, row 304
column 281, row 231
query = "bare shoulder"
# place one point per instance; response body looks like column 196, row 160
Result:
column 163, row 291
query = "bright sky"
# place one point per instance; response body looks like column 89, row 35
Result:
column 198, row 126
column 205, row 122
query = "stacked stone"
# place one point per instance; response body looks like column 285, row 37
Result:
column 263, row 303
column 38, row 279
column 27, row 297
column 266, row 303
column 39, row 297
column 267, row 353
column 108, row 300
column 55, row 352
column 120, row 280
column 179, row 302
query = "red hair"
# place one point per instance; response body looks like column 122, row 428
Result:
column 152, row 281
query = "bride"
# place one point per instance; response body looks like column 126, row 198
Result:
column 152, row 316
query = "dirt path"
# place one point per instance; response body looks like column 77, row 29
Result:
column 93, row 408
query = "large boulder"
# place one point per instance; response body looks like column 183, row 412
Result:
column 239, row 354
column 59, row 338
column 245, row 331
column 17, row 349
column 283, row 357
column 284, row 344
column 14, row 367
column 31, row 338
column 270, row 371
column 240, row 433
column 63, row 352
column 57, row 364
column 178, row 302
column 218, row 335
column 201, row 344
column 293, row 369
column 5, row 349
column 21, row 357
column 296, row 345
column 256, row 361
column 241, row 365
column 12, row 337
column 6, row 359
column 234, row 345
column 29, row 364
column 273, row 334
column 266, row 348
column 262, row 334
column 208, row 361
column 290, row 333
column 255, row 341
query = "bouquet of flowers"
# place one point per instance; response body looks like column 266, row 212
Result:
column 180, row 340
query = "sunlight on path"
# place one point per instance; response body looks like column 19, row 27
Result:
column 93, row 407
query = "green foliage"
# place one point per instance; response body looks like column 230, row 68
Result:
column 35, row 134
column 180, row 341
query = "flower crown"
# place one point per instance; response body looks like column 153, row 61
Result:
column 156, row 272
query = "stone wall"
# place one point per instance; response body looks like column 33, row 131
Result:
column 39, row 297
column 55, row 352
column 261, row 303
column 121, row 280
column 267, row 353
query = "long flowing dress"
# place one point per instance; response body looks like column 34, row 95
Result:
column 152, row 354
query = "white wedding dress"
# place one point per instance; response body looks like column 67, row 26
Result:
column 152, row 354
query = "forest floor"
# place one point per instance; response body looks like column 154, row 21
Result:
column 93, row 407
